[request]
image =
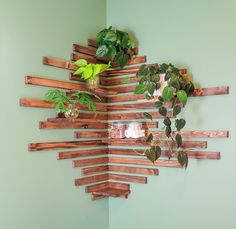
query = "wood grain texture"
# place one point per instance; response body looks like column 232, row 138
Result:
column 74, row 120
column 95, row 187
column 39, row 103
column 91, row 161
column 91, row 134
column 118, row 81
column 135, row 170
column 64, row 145
column 97, row 197
column 128, row 178
column 59, row 63
column 71, row 125
column 142, row 142
column 81, row 153
column 97, row 116
column 91, row 179
column 212, row 155
column 90, row 59
column 112, row 192
column 123, row 186
column 94, row 170
column 83, row 49
column 119, row 72
column 139, row 161
column 211, row 91
column 39, row 81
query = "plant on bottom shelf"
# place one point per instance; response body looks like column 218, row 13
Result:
column 114, row 44
column 64, row 102
column 169, row 89
column 90, row 72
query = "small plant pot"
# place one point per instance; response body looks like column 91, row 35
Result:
column 93, row 83
column 71, row 112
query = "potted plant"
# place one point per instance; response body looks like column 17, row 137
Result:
column 90, row 72
column 114, row 44
column 172, row 97
column 64, row 102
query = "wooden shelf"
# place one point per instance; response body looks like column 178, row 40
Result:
column 107, row 192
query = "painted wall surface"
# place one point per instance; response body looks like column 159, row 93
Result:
column 199, row 35
column 36, row 190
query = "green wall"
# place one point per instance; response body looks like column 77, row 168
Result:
column 36, row 190
column 199, row 35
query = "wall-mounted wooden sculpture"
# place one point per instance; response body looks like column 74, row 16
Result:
column 108, row 172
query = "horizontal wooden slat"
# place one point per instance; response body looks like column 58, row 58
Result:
column 94, row 170
column 39, row 81
column 63, row 145
column 128, row 178
column 126, row 169
column 94, row 187
column 97, row 116
column 39, row 103
column 211, row 91
column 142, row 142
column 59, row 63
column 97, row 197
column 72, row 125
column 73, row 120
column 90, row 59
column 91, row 179
column 81, row 153
column 138, row 161
column 83, row 49
column 191, row 154
column 112, row 192
column 123, row 186
column 198, row 134
column 118, row 81
column 88, row 162
column 90, row 134
column 118, row 72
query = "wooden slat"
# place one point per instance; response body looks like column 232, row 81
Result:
column 138, row 161
column 118, row 72
column 91, row 179
column 88, row 162
column 81, row 153
column 122, row 186
column 76, row 56
column 95, row 187
column 72, row 125
column 126, row 169
column 112, row 192
column 199, row 134
column 63, row 145
column 128, row 178
column 97, row 116
column 39, row 81
column 97, row 197
column 59, row 63
column 94, row 170
column 191, row 154
column 73, row 120
column 142, row 142
column 117, row 81
column 211, row 91
column 83, row 49
column 90, row 134
column 129, row 107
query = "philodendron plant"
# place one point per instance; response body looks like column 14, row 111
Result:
column 114, row 44
column 172, row 97
column 62, row 100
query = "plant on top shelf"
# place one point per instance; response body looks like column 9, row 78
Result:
column 65, row 102
column 90, row 72
column 170, row 89
column 114, row 44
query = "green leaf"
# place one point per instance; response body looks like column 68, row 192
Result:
column 167, row 93
column 158, row 104
column 153, row 153
column 140, row 89
column 102, row 51
column 176, row 110
column 81, row 63
column 151, row 89
column 183, row 159
column 79, row 71
column 112, row 52
column 180, row 123
column 182, row 96
column 178, row 139
column 96, row 69
column 88, row 72
column 124, row 60
column 148, row 97
column 157, row 150
column 168, row 131
column 142, row 70
column 147, row 115
column 163, row 111
column 149, row 137
column 110, row 36
column 160, row 98
column 167, row 121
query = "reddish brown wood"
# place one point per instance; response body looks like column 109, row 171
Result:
column 95, row 187
column 92, row 42
column 83, row 49
column 138, row 161
column 123, row 186
column 118, row 72
column 63, row 145
column 132, row 61
column 81, row 153
column 129, row 107
column 94, row 170
column 126, row 116
column 112, row 192
column 128, row 178
column 97, row 197
column 73, row 120
column 211, row 91
column 91, row 161
column 55, row 62
column 142, row 142
column 90, row 134
column 39, row 103
column 126, row 169
column 191, row 154
column 76, row 56
column 117, row 81
column 199, row 134
column 98, row 116
column 54, row 83
column 72, row 125
column 91, row 179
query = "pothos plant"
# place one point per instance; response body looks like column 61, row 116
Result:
column 62, row 99
column 173, row 97
column 114, row 44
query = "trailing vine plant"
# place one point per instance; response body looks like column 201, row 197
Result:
column 170, row 89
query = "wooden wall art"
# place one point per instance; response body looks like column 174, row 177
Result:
column 108, row 169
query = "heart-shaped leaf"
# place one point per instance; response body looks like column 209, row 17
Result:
column 140, row 89
column 176, row 110
column 163, row 111
column 158, row 104
column 182, row 96
column 102, row 51
column 183, row 159
column 167, row 121
column 147, row 115
column 168, row 131
column 81, row 63
column 178, row 139
column 180, row 123
column 167, row 93
column 79, row 71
